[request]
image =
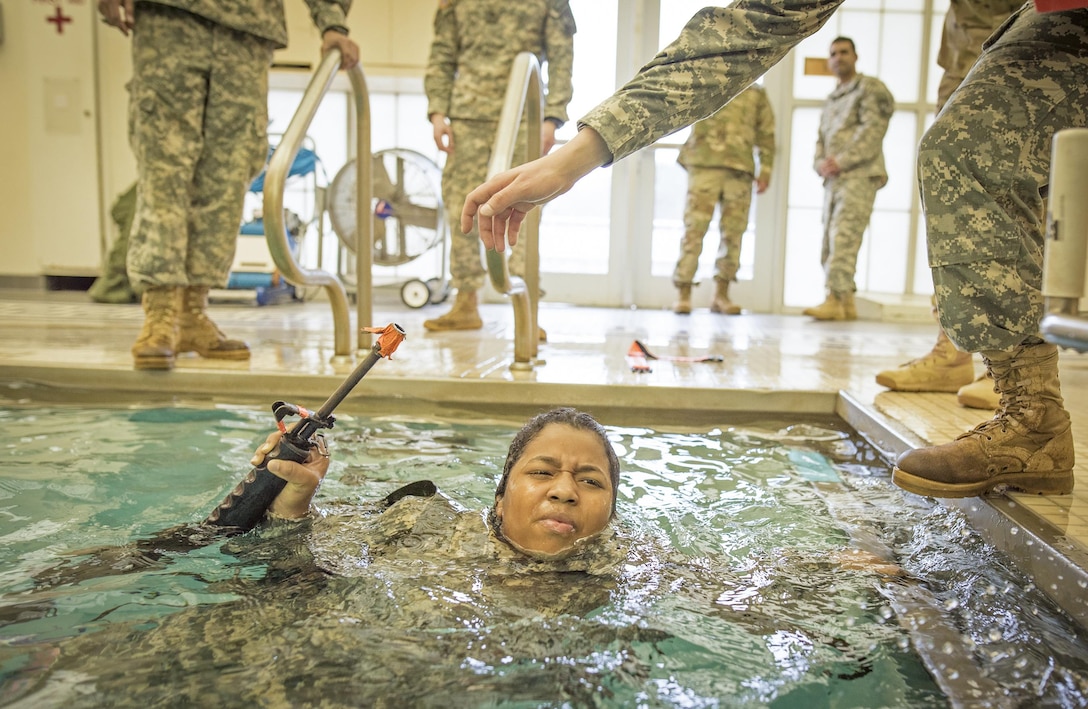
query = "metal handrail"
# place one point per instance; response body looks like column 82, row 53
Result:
column 524, row 293
column 275, row 182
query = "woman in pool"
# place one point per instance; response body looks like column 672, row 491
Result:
column 553, row 507
column 408, row 571
column 557, row 491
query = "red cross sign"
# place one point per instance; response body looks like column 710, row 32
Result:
column 59, row 19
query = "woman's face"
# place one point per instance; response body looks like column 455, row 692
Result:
column 558, row 492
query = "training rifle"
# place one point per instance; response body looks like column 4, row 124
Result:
column 245, row 506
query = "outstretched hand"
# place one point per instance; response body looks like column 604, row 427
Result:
column 303, row 479
column 502, row 202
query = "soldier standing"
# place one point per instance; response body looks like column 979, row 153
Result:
column 967, row 24
column 198, row 120
column 475, row 44
column 720, row 157
column 850, row 158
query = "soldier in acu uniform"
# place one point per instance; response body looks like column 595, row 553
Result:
column 720, row 157
column 198, row 120
column 967, row 24
column 981, row 167
column 475, row 43
column 850, row 159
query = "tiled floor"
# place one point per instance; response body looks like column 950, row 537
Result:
column 769, row 363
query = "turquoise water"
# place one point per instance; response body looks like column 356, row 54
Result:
column 763, row 565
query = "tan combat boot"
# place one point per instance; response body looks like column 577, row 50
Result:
column 849, row 306
column 830, row 309
column 944, row 368
column 682, row 306
column 979, row 394
column 464, row 315
column 156, row 344
column 721, row 303
column 197, row 333
column 1027, row 446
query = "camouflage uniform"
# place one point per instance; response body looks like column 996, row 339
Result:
column 983, row 209
column 981, row 167
column 475, row 43
column 967, row 25
column 719, row 158
column 852, row 127
column 198, row 118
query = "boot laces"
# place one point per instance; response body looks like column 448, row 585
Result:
column 1014, row 400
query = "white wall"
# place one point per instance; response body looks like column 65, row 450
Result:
column 64, row 154
column 49, row 184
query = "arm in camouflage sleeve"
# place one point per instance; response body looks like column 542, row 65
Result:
column 559, row 31
column 765, row 137
column 867, row 143
column 329, row 13
column 720, row 51
column 442, row 63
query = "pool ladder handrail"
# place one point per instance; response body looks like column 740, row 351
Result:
column 275, row 184
column 524, row 292
column 1065, row 259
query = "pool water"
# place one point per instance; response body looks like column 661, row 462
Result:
column 764, row 563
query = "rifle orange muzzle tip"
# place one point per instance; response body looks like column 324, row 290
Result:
column 389, row 338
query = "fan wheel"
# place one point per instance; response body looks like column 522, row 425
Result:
column 406, row 204
column 415, row 293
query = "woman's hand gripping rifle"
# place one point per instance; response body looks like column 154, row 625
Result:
column 245, row 506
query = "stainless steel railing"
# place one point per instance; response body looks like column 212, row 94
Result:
column 1065, row 260
column 275, row 183
column 524, row 95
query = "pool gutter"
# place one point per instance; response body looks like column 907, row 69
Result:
column 1039, row 550
column 427, row 396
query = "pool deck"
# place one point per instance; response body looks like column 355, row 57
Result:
column 770, row 363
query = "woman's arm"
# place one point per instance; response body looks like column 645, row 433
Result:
column 303, row 479
column 275, row 485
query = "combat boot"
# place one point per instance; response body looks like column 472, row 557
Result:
column 944, row 368
column 682, row 306
column 156, row 345
column 197, row 333
column 464, row 315
column 979, row 394
column 849, row 306
column 721, row 303
column 830, row 309
column 1027, row 445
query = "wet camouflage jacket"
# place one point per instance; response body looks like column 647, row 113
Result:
column 731, row 136
column 348, row 539
column 263, row 18
column 475, row 43
column 852, row 127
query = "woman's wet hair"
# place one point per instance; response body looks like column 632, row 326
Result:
column 568, row 417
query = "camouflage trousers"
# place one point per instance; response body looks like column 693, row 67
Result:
column 848, row 204
column 198, row 121
column 709, row 187
column 464, row 171
column 981, row 167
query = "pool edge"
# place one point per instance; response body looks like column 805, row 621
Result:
column 1034, row 544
